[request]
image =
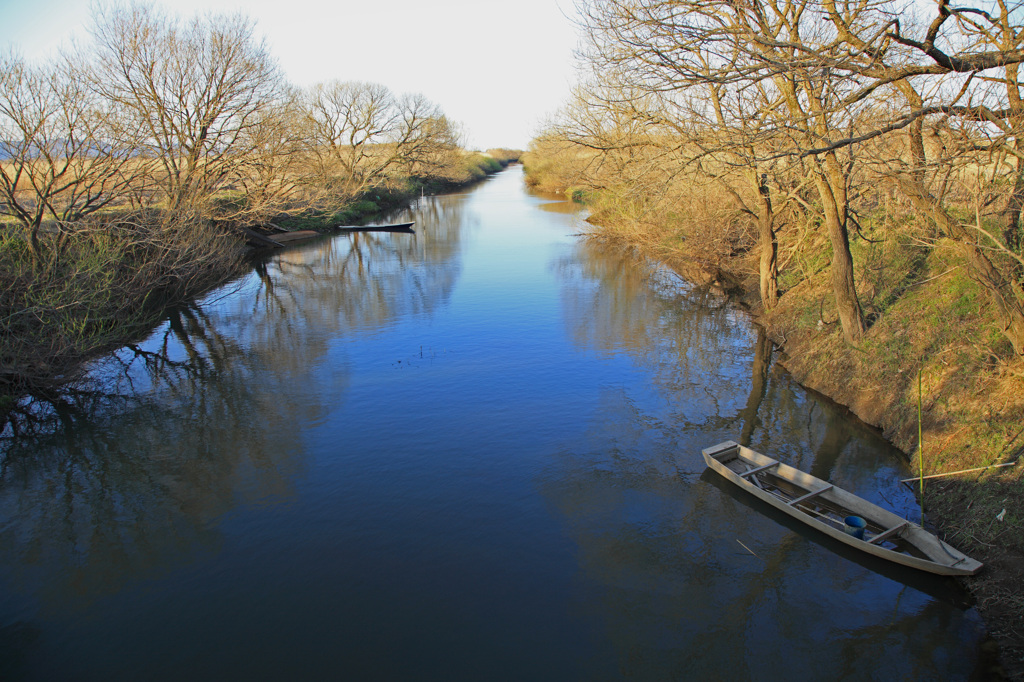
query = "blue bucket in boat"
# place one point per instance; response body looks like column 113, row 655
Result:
column 855, row 526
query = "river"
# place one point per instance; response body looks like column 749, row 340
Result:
column 472, row 453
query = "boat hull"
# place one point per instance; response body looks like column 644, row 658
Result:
column 936, row 556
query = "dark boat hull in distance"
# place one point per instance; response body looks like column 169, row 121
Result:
column 400, row 227
column 824, row 507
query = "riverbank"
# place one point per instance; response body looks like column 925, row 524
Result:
column 109, row 278
column 972, row 399
column 972, row 416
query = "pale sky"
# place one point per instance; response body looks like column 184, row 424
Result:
column 499, row 67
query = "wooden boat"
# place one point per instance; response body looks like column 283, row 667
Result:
column 278, row 239
column 825, row 507
column 256, row 239
column 400, row 227
column 296, row 236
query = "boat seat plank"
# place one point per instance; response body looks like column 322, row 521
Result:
column 810, row 495
column 755, row 470
column 722, row 447
column 887, row 533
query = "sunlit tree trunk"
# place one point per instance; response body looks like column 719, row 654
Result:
column 768, row 245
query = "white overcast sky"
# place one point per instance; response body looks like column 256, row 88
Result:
column 499, row 67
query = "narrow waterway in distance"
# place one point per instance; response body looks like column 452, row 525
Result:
column 472, row 453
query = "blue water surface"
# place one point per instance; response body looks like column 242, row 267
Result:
column 472, row 453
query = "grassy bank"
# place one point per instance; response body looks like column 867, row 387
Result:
column 926, row 315
column 930, row 326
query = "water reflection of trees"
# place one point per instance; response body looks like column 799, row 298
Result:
column 115, row 493
column 715, row 369
column 361, row 280
column 678, row 596
column 121, row 476
column 688, row 337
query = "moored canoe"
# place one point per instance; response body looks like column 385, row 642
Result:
column 826, row 507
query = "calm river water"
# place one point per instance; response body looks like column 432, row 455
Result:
column 472, row 453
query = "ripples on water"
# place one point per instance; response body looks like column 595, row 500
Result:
column 472, row 453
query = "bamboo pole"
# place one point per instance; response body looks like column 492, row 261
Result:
column 748, row 549
column 962, row 471
column 920, row 445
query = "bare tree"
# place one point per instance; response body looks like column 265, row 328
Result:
column 274, row 180
column 199, row 91
column 768, row 54
column 60, row 159
column 429, row 142
column 974, row 56
column 360, row 133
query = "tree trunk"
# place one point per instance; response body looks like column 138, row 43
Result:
column 1015, row 204
column 769, row 247
column 34, row 246
column 843, row 286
